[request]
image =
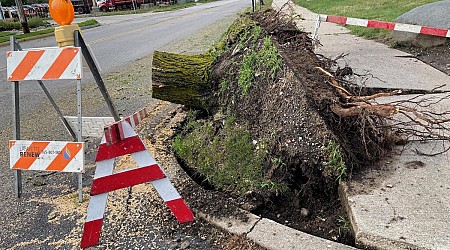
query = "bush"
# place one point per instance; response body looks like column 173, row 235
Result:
column 32, row 23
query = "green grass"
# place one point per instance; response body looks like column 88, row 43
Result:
column 266, row 59
column 270, row 58
column 88, row 23
column 335, row 166
column 227, row 158
column 154, row 9
column 383, row 10
column 247, row 72
column 4, row 36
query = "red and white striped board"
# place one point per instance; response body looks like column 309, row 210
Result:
column 44, row 64
column 94, row 126
column 386, row 25
column 105, row 181
column 137, row 117
column 47, row 155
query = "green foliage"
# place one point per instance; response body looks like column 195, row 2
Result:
column 7, row 25
column 383, row 10
column 335, row 164
column 278, row 161
column 227, row 158
column 246, row 72
column 223, row 86
column 36, row 22
column 266, row 59
column 33, row 23
column 344, row 225
column 88, row 23
column 256, row 33
column 235, row 31
column 270, row 57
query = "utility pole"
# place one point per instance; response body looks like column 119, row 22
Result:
column 22, row 17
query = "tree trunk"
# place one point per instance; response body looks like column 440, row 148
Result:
column 22, row 17
column 182, row 79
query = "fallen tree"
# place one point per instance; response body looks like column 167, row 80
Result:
column 182, row 79
column 290, row 112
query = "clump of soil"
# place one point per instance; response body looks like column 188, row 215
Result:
column 287, row 107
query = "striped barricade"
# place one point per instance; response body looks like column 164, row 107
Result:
column 148, row 170
column 418, row 29
column 44, row 64
column 47, row 155
column 94, row 126
column 137, row 117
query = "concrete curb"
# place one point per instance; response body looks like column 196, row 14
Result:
column 272, row 235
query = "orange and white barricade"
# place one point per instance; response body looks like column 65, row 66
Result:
column 47, row 156
column 44, row 64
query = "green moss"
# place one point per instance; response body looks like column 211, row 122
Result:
column 227, row 158
column 223, row 85
column 234, row 32
column 182, row 79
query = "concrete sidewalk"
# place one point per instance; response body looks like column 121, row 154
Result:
column 406, row 203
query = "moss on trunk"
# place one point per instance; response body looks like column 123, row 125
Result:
column 182, row 79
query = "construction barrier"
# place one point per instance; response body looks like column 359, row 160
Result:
column 120, row 139
column 44, row 64
column 47, row 156
column 94, row 126
column 137, row 117
column 386, row 25
column 425, row 30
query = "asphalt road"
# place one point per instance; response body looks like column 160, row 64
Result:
column 121, row 40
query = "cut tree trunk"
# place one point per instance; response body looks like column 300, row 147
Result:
column 183, row 79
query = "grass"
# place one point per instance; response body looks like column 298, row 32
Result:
column 344, row 226
column 154, row 9
column 270, row 58
column 88, row 23
column 267, row 59
column 4, row 36
column 383, row 10
column 227, row 158
column 335, row 165
column 247, row 72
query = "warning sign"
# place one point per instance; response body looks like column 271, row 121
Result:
column 47, row 155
